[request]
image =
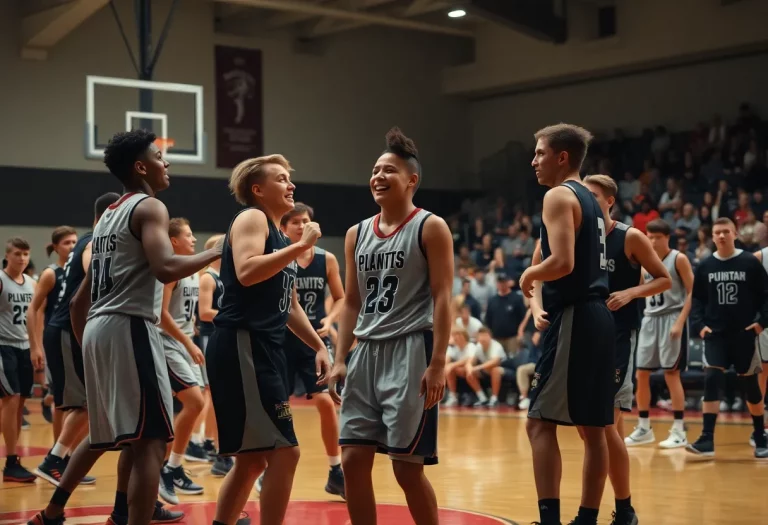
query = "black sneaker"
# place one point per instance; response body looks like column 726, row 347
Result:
column 210, row 450
column 87, row 480
column 25, row 411
column 14, row 472
column 243, row 519
column 625, row 518
column 704, row 446
column 335, row 484
column 167, row 489
column 182, row 482
column 195, row 452
column 47, row 412
column 221, row 466
column 163, row 515
column 39, row 519
column 51, row 469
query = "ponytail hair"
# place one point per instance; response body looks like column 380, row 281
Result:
column 56, row 237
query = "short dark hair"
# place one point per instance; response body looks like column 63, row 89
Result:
column 298, row 209
column 572, row 139
column 16, row 242
column 104, row 202
column 724, row 220
column 175, row 225
column 404, row 147
column 658, row 226
column 57, row 236
column 484, row 330
column 124, row 149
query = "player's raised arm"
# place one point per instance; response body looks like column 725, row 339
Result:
column 248, row 236
column 640, row 249
column 151, row 220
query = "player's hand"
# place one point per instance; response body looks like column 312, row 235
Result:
column 322, row 366
column 218, row 248
column 540, row 320
column 36, row 356
column 325, row 327
column 338, row 375
column 618, row 300
column 311, row 234
column 526, row 283
column 677, row 331
column 704, row 331
column 756, row 327
column 197, row 355
column 433, row 385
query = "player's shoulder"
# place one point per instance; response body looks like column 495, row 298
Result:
column 148, row 207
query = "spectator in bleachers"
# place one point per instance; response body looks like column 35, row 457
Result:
column 670, row 201
column 703, row 245
column 476, row 234
column 644, row 216
column 459, row 233
column 505, row 314
column 484, row 256
column 456, row 358
column 463, row 258
column 705, row 215
column 628, row 187
column 689, row 221
column 747, row 232
column 759, row 206
column 683, row 246
column 741, row 213
column 485, row 365
column 458, row 280
column 467, row 321
column 761, row 231
column 483, row 285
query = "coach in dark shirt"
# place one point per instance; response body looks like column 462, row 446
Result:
column 505, row 312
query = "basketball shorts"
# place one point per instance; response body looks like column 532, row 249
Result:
column 48, row 376
column 762, row 344
column 126, row 381
column 656, row 349
column 64, row 358
column 204, row 369
column 248, row 388
column 734, row 349
column 381, row 405
column 182, row 370
column 626, row 343
column 574, row 382
column 300, row 360
column 17, row 374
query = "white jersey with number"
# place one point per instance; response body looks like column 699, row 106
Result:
column 14, row 303
column 671, row 300
column 183, row 303
column 121, row 280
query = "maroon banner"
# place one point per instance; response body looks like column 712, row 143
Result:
column 239, row 110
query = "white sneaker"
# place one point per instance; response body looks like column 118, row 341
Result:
column 752, row 438
column 524, row 404
column 640, row 436
column 676, row 439
column 452, row 401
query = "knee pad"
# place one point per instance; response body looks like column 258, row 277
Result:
column 713, row 384
column 751, row 386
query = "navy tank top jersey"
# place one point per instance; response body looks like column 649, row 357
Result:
column 261, row 308
column 73, row 275
column 622, row 275
column 53, row 295
column 310, row 287
column 589, row 278
column 206, row 328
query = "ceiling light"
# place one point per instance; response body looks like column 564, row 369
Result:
column 457, row 13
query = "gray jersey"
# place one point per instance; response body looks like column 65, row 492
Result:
column 121, row 280
column 393, row 278
column 673, row 299
column 183, row 303
column 14, row 303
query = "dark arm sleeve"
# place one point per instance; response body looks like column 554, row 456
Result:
column 760, row 281
column 699, row 303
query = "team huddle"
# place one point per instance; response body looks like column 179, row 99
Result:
column 132, row 318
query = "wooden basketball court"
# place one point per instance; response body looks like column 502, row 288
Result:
column 484, row 477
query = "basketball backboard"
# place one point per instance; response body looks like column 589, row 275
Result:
column 176, row 116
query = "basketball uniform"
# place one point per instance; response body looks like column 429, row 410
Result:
column 300, row 358
column 656, row 349
column 245, row 358
column 126, row 377
column 574, row 382
column 63, row 354
column 16, row 372
column 50, row 304
column 762, row 339
column 206, row 328
column 622, row 275
column 182, row 370
column 381, row 405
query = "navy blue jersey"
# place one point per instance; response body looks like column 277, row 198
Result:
column 310, row 287
column 589, row 278
column 53, row 295
column 261, row 308
column 73, row 276
column 206, row 328
column 622, row 275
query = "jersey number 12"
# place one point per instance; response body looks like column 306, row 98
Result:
column 101, row 280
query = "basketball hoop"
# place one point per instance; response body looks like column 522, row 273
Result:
column 164, row 144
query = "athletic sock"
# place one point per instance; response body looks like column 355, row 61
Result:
column 121, row 504
column 481, row 396
column 677, row 424
column 11, row 460
column 218, row 522
column 175, row 460
column 60, row 497
column 709, row 424
column 59, row 450
column 623, row 505
column 549, row 511
column 494, row 399
column 334, row 461
column 758, row 425
column 587, row 516
column 643, row 420
column 197, row 439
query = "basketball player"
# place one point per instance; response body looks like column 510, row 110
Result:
column 627, row 251
column 730, row 307
column 574, row 380
column 399, row 273
column 211, row 291
column 63, row 239
column 316, row 269
column 663, row 341
column 127, row 387
column 17, row 361
column 245, row 357
column 762, row 339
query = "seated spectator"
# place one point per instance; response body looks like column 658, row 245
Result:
column 525, row 371
column 689, row 221
column 523, row 248
column 670, row 201
column 505, row 313
column 628, row 187
column 705, row 216
column 644, row 216
column 476, row 235
column 508, row 242
column 466, row 321
column 463, row 258
column 747, row 232
column 743, row 210
column 456, row 358
column 484, row 255
column 683, row 246
column 704, row 244
column 459, row 232
column 761, row 231
column 458, row 280
column 483, row 286
column 484, row 365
